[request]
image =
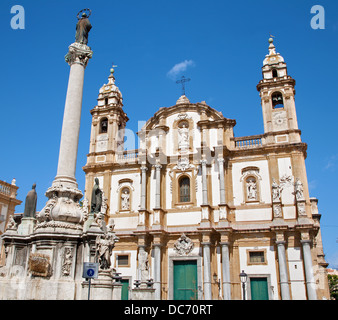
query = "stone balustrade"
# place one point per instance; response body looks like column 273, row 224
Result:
column 8, row 189
column 248, row 142
column 126, row 156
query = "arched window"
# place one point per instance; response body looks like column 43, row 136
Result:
column 277, row 100
column 104, row 125
column 274, row 73
column 184, row 189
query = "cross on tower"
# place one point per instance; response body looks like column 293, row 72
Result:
column 182, row 81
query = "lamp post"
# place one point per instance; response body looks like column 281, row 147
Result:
column 217, row 281
column 243, row 276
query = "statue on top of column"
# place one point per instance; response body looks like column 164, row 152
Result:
column 83, row 27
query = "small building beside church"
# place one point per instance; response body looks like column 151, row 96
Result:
column 194, row 206
column 8, row 202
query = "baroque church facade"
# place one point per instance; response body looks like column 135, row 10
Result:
column 194, row 206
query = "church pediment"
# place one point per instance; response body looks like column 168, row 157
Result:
column 183, row 108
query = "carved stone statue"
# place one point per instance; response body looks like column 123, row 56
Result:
column 143, row 265
column 183, row 141
column 96, row 197
column 104, row 248
column 12, row 225
column 276, row 191
column 83, row 27
column 251, row 189
column 67, row 261
column 184, row 245
column 299, row 190
column 30, row 204
column 125, row 200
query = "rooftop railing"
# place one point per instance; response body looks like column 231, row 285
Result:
column 248, row 142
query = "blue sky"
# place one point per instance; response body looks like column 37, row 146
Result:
column 223, row 44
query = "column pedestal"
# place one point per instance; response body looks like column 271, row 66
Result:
column 143, row 294
column 26, row 226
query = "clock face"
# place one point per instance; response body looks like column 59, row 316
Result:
column 107, row 87
column 279, row 119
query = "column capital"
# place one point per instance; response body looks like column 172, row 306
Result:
column 224, row 243
column 220, row 160
column 280, row 242
column 157, row 166
column 144, row 168
column 78, row 53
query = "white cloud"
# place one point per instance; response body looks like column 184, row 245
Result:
column 180, row 67
column 331, row 163
column 333, row 260
column 312, row 185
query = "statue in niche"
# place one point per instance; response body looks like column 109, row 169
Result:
column 276, row 190
column 143, row 265
column 125, row 199
column 83, row 27
column 251, row 189
column 96, row 197
column 299, row 190
column 183, row 141
column 104, row 248
column 30, row 204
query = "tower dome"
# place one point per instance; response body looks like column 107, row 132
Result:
column 109, row 93
column 183, row 100
column 272, row 57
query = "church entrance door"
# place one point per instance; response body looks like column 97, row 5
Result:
column 259, row 289
column 185, row 280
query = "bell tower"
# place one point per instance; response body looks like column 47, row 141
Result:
column 277, row 92
column 107, row 134
column 109, row 120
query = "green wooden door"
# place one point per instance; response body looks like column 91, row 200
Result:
column 185, row 280
column 259, row 289
column 125, row 289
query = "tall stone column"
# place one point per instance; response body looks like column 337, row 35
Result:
column 143, row 187
column 226, row 271
column 206, row 270
column 310, row 281
column 64, row 195
column 77, row 58
column 158, row 186
column 157, row 270
column 204, row 182
column 221, row 180
column 283, row 271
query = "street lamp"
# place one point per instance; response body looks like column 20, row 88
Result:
column 216, row 281
column 243, row 276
